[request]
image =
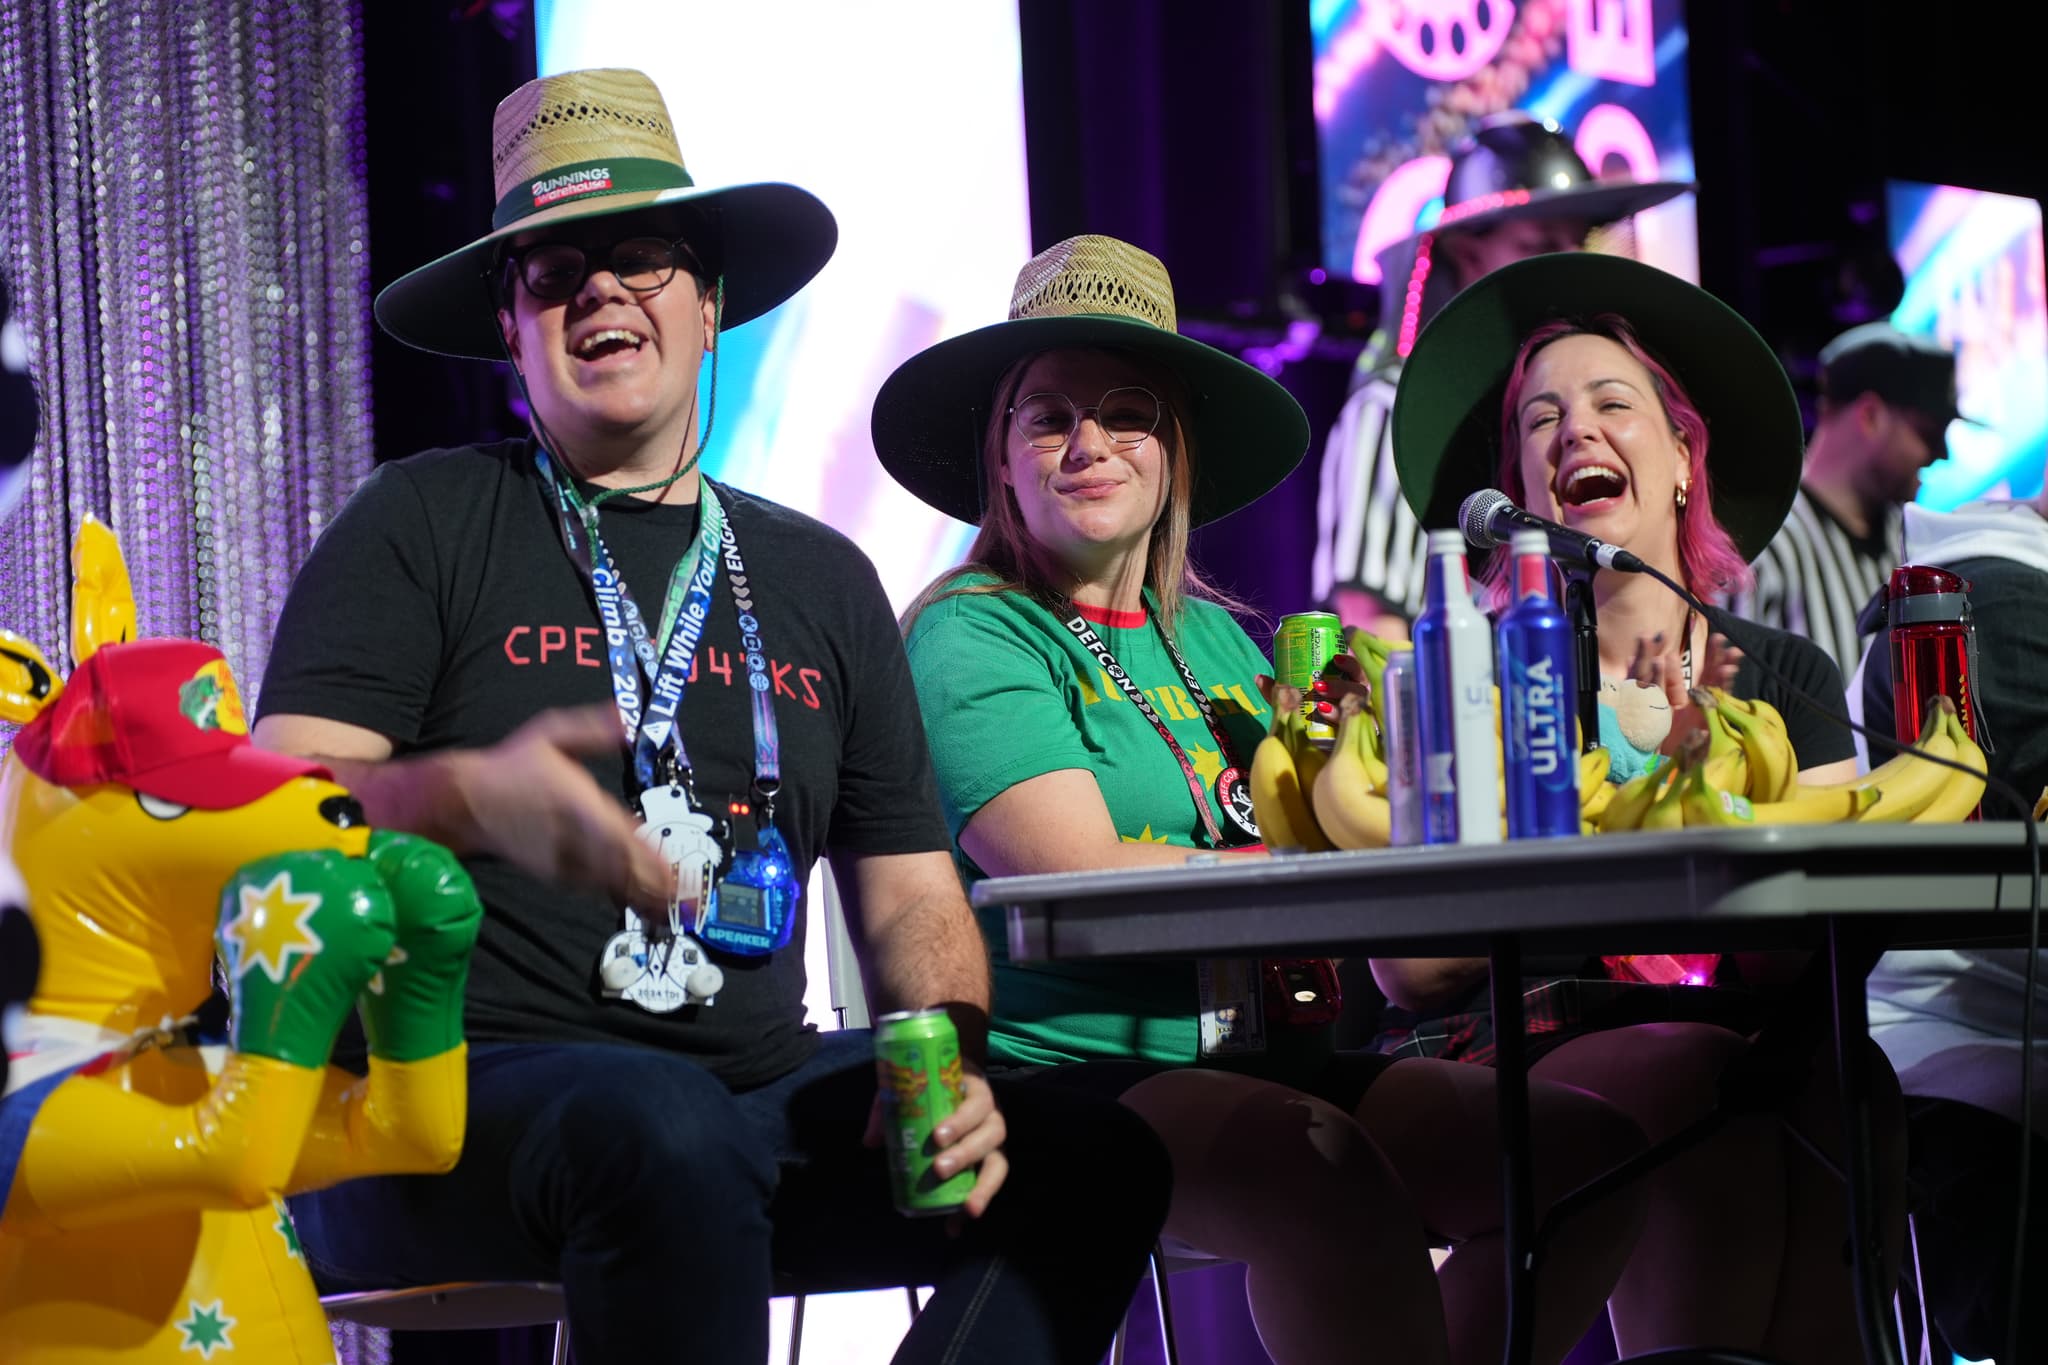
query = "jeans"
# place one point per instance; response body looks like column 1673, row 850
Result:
column 670, row 1208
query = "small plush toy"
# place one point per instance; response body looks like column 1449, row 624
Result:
column 141, row 1175
column 1634, row 722
column 1643, row 712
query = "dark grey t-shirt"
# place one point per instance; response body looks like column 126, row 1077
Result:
column 441, row 610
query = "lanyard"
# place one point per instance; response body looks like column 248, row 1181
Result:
column 1083, row 631
column 651, row 715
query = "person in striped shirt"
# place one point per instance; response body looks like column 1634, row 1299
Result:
column 1886, row 400
column 1516, row 188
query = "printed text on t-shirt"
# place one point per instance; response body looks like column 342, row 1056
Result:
column 583, row 647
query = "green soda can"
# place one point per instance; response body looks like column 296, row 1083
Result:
column 917, row 1065
column 1303, row 646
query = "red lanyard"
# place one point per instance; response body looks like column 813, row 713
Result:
column 1083, row 631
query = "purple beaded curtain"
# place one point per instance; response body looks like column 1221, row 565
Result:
column 186, row 231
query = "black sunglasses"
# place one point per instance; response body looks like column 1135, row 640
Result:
column 556, row 270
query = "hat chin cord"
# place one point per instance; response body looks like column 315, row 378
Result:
column 549, row 443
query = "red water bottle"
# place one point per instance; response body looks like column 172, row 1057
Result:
column 1934, row 645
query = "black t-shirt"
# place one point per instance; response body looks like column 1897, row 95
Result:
column 441, row 610
column 1810, row 669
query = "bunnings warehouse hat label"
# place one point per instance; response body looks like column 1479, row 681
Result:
column 570, row 184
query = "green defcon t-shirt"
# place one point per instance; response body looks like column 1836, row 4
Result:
column 1009, row 694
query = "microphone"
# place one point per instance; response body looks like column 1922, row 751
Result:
column 1489, row 518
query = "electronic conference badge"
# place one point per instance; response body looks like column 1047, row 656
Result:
column 752, row 908
column 736, row 882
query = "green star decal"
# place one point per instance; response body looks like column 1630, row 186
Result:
column 290, row 1232
column 206, row 1329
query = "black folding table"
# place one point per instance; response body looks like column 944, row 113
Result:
column 1849, row 891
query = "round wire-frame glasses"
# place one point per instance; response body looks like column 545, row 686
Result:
column 1047, row 421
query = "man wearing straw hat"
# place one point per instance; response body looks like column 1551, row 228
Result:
column 641, row 703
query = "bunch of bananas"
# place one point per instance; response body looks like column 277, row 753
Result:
column 1737, row 768
column 1307, row 798
column 1285, row 768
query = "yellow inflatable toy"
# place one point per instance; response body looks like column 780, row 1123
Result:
column 143, row 1175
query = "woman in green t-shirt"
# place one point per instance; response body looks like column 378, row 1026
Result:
column 1090, row 705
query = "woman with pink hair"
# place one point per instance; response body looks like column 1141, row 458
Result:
column 1629, row 405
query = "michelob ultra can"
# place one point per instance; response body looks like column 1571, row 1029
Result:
column 917, row 1065
column 1539, row 699
column 1303, row 645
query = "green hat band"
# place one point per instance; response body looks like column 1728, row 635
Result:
column 588, row 180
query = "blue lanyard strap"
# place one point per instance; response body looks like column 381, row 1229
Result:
column 767, row 746
column 682, row 629
column 651, row 715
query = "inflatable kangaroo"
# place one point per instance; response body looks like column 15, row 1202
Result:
column 142, row 1175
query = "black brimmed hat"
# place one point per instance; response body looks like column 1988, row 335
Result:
column 1447, row 409
column 1514, row 165
column 1905, row 370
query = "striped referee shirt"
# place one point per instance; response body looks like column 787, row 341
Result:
column 1815, row 578
column 1365, row 535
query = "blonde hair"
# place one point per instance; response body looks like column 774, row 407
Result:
column 1005, row 551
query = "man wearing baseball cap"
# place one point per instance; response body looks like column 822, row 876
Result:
column 641, row 704
column 1517, row 188
column 1886, row 400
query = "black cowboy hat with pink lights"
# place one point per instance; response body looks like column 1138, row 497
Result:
column 1511, row 165
column 1514, row 165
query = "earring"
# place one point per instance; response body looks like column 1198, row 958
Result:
column 1681, row 496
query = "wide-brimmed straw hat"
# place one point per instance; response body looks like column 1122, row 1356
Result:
column 1447, row 409
column 589, row 144
column 1086, row 293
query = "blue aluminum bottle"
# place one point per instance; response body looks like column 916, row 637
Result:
column 1539, row 700
column 1454, row 684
